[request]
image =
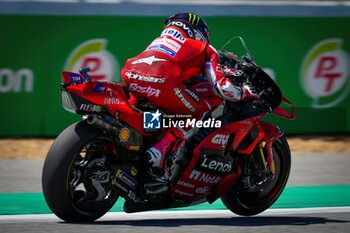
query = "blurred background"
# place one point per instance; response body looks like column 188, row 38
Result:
column 305, row 45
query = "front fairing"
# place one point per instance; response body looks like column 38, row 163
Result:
column 235, row 55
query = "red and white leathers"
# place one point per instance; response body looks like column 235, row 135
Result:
column 158, row 73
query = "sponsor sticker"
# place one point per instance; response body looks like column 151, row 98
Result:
column 111, row 100
column 202, row 90
column 179, row 94
column 183, row 26
column 216, row 165
column 177, row 203
column 202, row 190
column 204, row 177
column 183, row 193
column 124, row 134
column 134, row 171
column 193, row 95
column 75, row 78
column 169, row 43
column 149, row 79
column 130, row 147
column 148, row 91
column 185, row 184
column 174, row 34
column 220, row 139
column 132, row 195
column 90, row 108
column 126, row 178
column 163, row 49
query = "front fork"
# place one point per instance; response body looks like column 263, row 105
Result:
column 272, row 133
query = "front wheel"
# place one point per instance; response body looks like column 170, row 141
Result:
column 252, row 201
column 75, row 174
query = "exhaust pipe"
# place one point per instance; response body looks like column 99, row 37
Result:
column 99, row 122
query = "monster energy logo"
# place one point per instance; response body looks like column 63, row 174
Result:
column 194, row 19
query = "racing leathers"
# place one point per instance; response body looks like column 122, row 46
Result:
column 158, row 75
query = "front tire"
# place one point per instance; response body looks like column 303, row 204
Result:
column 65, row 179
column 248, row 202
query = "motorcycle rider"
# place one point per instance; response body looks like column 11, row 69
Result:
column 158, row 73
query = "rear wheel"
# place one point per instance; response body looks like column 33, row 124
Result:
column 253, row 200
column 76, row 174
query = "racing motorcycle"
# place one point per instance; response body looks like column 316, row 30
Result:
column 93, row 162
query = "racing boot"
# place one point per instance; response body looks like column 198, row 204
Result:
column 157, row 153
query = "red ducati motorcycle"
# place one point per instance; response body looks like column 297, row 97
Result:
column 93, row 162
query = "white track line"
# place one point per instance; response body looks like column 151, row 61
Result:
column 157, row 215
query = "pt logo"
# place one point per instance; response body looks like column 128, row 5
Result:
column 325, row 73
column 93, row 54
column 151, row 121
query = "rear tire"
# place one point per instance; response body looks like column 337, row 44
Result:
column 61, row 175
column 248, row 203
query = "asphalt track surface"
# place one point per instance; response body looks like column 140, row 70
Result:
column 307, row 170
column 331, row 220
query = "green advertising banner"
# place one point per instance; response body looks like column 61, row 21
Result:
column 307, row 56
